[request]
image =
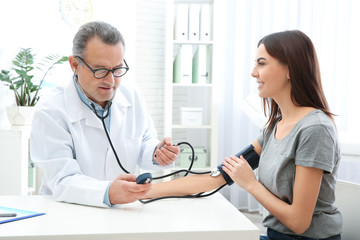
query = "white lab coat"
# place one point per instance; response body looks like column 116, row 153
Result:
column 69, row 145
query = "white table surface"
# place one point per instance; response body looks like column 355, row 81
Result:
column 176, row 219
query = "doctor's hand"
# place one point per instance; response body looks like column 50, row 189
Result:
column 165, row 153
column 239, row 171
column 124, row 189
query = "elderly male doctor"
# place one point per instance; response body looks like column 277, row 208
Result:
column 68, row 142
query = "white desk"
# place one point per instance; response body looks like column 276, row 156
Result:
column 210, row 218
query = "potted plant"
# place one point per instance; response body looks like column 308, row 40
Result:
column 21, row 81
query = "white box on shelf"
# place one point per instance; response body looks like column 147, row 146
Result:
column 191, row 116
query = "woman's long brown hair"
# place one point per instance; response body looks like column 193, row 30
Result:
column 296, row 51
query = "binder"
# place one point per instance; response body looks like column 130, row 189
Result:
column 194, row 22
column 201, row 65
column 186, row 64
column 205, row 22
column 177, row 67
column 20, row 214
column 181, row 31
column 182, row 66
column 195, row 67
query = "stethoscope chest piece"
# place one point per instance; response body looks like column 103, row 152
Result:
column 144, row 178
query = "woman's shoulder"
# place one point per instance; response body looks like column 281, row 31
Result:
column 317, row 118
column 317, row 122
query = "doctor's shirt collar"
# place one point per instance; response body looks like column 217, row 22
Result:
column 98, row 108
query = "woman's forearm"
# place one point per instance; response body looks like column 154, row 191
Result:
column 186, row 185
column 296, row 216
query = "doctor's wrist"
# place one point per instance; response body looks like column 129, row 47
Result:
column 107, row 196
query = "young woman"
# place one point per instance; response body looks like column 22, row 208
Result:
column 298, row 148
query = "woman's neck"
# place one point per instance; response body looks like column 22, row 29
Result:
column 290, row 113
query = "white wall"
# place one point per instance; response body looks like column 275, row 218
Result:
column 150, row 56
column 22, row 28
column 38, row 24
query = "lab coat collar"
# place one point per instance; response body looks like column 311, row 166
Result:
column 77, row 110
column 120, row 105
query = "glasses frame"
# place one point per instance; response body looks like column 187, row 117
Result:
column 126, row 67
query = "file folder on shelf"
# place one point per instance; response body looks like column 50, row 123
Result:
column 181, row 31
column 177, row 67
column 201, row 65
column 205, row 22
column 194, row 22
column 182, row 66
column 20, row 214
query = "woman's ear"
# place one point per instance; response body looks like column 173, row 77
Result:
column 288, row 75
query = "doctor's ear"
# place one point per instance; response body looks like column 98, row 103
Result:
column 73, row 63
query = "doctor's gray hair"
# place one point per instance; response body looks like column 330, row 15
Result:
column 104, row 31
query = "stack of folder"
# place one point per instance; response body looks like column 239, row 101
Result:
column 192, row 64
column 192, row 61
column 192, row 22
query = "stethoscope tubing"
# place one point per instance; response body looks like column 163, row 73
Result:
column 198, row 195
column 187, row 171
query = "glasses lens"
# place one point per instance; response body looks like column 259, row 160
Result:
column 101, row 73
column 119, row 72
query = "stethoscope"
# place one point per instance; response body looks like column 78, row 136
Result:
column 146, row 177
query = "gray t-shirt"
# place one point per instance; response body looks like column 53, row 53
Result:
column 311, row 143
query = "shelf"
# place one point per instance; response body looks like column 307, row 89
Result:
column 192, row 85
column 192, row 127
column 194, row 42
column 192, row 1
column 14, row 161
column 182, row 92
column 31, row 190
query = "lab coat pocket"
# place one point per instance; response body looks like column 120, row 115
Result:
column 132, row 149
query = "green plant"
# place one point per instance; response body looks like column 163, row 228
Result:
column 25, row 90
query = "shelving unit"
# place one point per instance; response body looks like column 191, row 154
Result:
column 17, row 174
column 194, row 94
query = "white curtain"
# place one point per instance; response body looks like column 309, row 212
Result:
column 240, row 24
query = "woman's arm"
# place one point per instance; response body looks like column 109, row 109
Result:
column 296, row 216
column 191, row 184
column 257, row 147
column 185, row 186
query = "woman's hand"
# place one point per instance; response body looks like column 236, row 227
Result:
column 240, row 171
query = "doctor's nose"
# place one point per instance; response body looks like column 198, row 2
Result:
column 109, row 79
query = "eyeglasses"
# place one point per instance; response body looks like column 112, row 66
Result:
column 103, row 72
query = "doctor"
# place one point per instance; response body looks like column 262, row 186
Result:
column 68, row 142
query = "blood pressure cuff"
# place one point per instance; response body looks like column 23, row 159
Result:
column 251, row 157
